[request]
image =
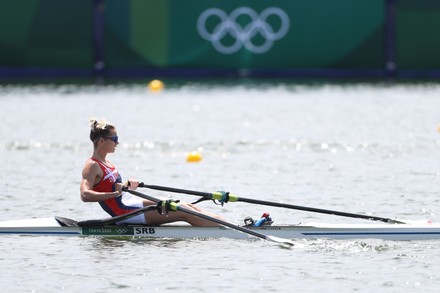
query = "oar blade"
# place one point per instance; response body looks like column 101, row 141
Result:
column 394, row 221
column 283, row 241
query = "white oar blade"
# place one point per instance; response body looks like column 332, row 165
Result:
column 280, row 240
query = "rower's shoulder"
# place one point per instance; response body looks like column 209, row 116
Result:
column 91, row 161
column 91, row 164
column 91, row 170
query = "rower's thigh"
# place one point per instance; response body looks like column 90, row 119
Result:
column 154, row 218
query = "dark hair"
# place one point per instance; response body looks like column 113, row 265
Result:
column 99, row 129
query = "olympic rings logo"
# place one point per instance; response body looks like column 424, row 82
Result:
column 121, row 231
column 243, row 35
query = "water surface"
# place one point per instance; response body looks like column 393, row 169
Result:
column 361, row 148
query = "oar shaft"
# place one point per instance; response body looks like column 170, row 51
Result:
column 200, row 215
column 275, row 204
column 227, row 224
column 215, row 220
column 175, row 190
column 116, row 218
column 316, row 210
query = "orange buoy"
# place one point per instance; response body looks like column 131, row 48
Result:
column 194, row 157
column 155, row 86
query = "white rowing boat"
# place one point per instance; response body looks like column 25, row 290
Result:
column 387, row 229
column 67, row 227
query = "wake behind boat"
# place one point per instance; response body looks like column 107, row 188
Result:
column 68, row 227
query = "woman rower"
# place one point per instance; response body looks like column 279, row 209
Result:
column 102, row 183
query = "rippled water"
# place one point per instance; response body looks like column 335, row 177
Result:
column 361, row 148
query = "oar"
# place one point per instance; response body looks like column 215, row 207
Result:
column 112, row 220
column 225, row 197
column 174, row 206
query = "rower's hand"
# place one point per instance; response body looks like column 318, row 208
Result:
column 132, row 184
column 119, row 188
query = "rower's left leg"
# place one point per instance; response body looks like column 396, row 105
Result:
column 154, row 218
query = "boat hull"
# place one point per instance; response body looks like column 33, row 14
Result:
column 52, row 226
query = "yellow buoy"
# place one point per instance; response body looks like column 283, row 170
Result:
column 155, row 86
column 194, row 157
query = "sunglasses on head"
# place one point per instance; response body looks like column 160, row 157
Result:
column 113, row 138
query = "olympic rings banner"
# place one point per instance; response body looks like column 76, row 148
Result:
column 229, row 34
column 111, row 37
column 242, row 35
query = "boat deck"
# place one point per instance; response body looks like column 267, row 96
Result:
column 68, row 227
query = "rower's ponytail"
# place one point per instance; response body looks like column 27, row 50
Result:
column 99, row 129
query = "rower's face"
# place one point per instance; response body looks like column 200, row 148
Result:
column 110, row 142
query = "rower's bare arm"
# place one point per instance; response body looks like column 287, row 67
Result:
column 89, row 174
